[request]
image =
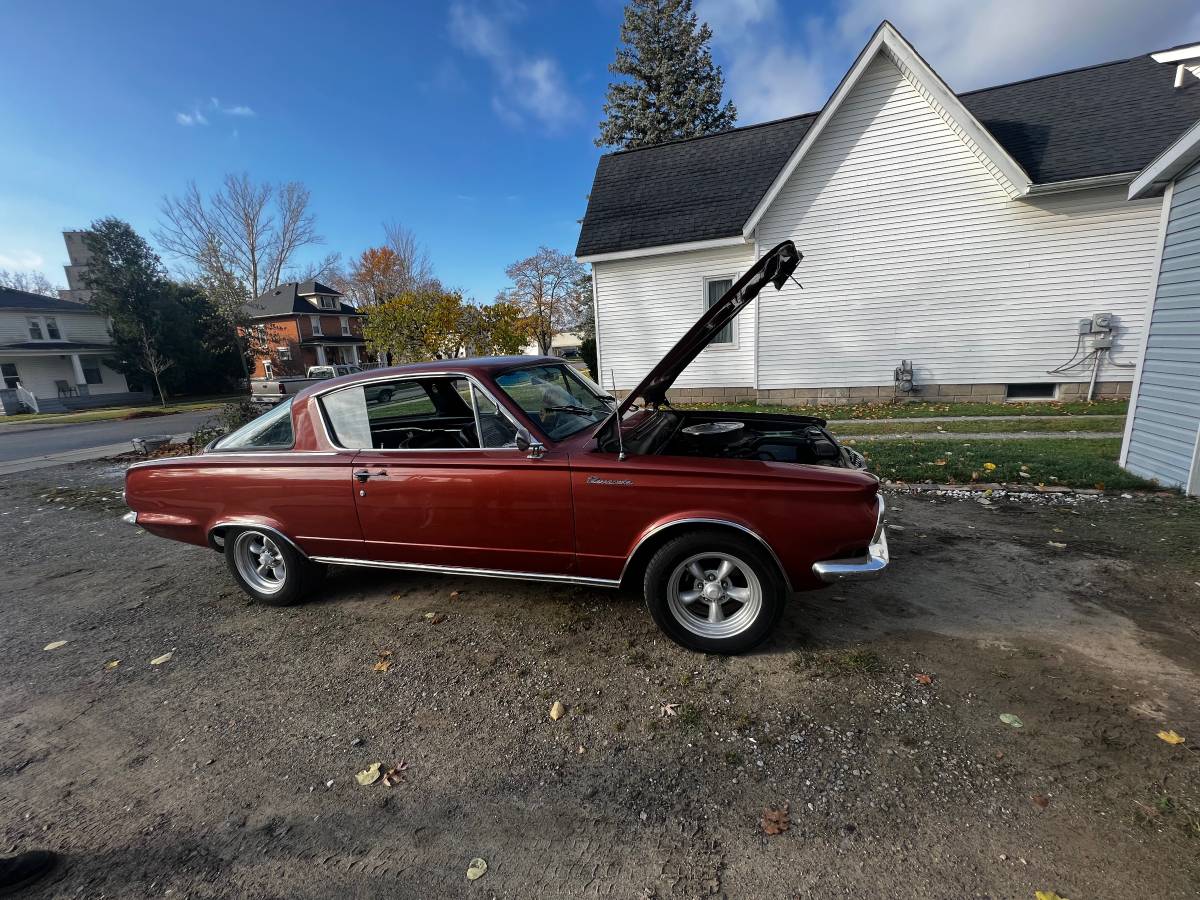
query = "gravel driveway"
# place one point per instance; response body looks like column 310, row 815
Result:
column 228, row 769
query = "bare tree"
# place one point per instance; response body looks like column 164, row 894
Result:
column 30, row 282
column 259, row 229
column 549, row 288
column 153, row 361
column 417, row 270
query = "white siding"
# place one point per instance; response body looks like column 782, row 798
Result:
column 645, row 305
column 83, row 328
column 1166, row 416
column 915, row 250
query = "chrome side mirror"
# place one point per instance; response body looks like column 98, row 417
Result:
column 527, row 443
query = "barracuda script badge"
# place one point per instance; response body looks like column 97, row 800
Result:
column 610, row 482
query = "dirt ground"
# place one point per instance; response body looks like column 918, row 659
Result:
column 228, row 770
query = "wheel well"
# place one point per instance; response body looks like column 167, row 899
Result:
column 216, row 535
column 635, row 568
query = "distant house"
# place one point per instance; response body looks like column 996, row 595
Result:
column 1162, row 431
column 970, row 234
column 298, row 325
column 56, row 355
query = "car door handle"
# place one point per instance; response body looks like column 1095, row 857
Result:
column 362, row 475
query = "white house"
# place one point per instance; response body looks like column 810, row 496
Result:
column 55, row 355
column 967, row 234
column 1162, row 432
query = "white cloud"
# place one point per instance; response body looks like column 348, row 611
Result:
column 771, row 73
column 21, row 260
column 238, row 110
column 528, row 86
column 195, row 117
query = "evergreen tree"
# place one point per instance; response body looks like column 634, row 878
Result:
column 673, row 88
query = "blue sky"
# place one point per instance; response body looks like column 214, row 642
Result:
column 470, row 122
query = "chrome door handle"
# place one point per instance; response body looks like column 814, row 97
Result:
column 362, row 475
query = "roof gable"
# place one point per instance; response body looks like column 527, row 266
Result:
column 1100, row 121
column 887, row 40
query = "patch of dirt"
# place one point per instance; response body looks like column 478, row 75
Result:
column 228, row 770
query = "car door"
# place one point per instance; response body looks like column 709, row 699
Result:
column 430, row 492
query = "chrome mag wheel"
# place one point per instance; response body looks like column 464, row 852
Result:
column 714, row 595
column 260, row 562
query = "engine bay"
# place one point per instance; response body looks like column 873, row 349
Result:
column 789, row 439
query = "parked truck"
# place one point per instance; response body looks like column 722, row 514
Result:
column 271, row 390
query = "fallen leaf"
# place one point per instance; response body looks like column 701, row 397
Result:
column 1010, row 719
column 775, row 821
column 159, row 660
column 1171, row 737
column 369, row 775
column 476, row 869
column 454, row 595
column 939, row 462
column 382, row 666
column 112, row 664
column 1056, row 545
column 1047, row 895
column 1040, row 800
column 434, row 618
column 54, row 645
column 923, row 679
column 989, row 467
column 383, row 654
column 668, row 709
column 557, row 710
column 395, row 774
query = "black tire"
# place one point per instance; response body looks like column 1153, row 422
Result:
column 285, row 584
column 385, row 395
column 749, row 602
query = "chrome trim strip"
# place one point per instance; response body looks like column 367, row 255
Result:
column 742, row 528
column 463, row 570
column 863, row 567
column 130, row 518
column 242, row 523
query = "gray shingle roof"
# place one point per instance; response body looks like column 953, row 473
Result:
column 288, row 299
column 12, row 299
column 1101, row 120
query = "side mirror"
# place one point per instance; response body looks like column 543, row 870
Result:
column 527, row 443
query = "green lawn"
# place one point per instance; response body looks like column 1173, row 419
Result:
column 1049, row 461
column 950, row 426
column 922, row 410
column 107, row 413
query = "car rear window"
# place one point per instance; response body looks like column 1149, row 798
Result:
column 270, row 431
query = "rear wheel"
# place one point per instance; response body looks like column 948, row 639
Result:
column 269, row 568
column 715, row 591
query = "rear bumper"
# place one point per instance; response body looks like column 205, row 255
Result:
column 862, row 567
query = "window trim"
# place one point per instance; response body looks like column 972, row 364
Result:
column 416, row 376
column 735, row 332
column 314, row 322
column 345, row 326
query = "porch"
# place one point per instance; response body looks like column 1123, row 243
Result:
column 62, row 378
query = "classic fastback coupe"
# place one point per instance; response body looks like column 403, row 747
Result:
column 521, row 467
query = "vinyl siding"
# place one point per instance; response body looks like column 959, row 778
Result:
column 1166, row 416
column 914, row 249
column 645, row 305
column 86, row 328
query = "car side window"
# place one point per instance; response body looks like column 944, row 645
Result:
column 405, row 414
column 496, row 430
column 270, row 431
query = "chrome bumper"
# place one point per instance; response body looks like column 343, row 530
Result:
column 863, row 567
column 130, row 518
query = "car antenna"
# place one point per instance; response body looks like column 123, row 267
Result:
column 798, row 284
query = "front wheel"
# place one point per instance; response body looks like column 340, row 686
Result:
column 715, row 591
column 268, row 568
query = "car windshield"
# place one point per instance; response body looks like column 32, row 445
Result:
column 557, row 398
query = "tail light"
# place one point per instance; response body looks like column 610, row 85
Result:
column 282, row 389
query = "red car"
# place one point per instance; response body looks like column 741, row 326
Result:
column 521, row 467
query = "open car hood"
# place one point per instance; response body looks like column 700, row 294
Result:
column 774, row 267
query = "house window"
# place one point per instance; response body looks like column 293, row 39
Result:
column 284, row 352
column 1035, row 391
column 11, row 378
column 35, row 329
column 714, row 289
column 91, row 372
column 345, row 326
column 328, row 303
column 316, row 325
column 52, row 331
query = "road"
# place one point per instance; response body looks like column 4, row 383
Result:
column 30, row 444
